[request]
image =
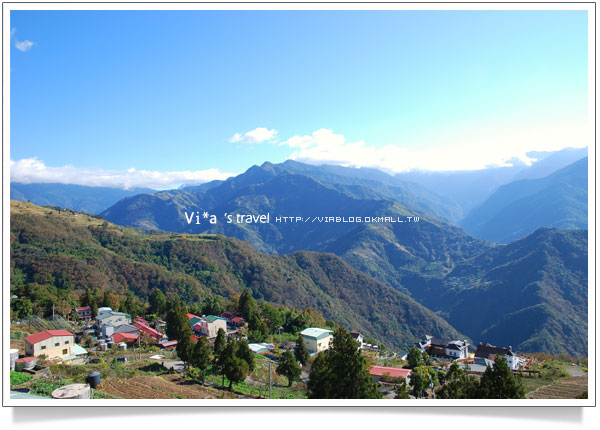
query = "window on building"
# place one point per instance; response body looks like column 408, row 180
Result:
column 66, row 342
column 65, row 351
column 57, row 344
column 43, row 347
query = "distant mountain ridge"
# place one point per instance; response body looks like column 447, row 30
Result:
column 92, row 200
column 470, row 188
column 519, row 208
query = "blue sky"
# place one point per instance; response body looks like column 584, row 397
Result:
column 199, row 94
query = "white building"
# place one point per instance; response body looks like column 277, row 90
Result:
column 209, row 325
column 317, row 339
column 457, row 349
column 491, row 352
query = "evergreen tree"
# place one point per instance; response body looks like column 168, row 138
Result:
column 426, row 359
column 245, row 353
column 288, row 367
column 401, row 390
column 420, row 380
column 300, row 351
column 219, row 344
column 201, row 356
column 454, row 387
column 230, row 365
column 498, row 382
column 247, row 304
column 342, row 372
column 179, row 329
column 227, row 352
column 236, row 370
column 414, row 358
column 184, row 347
column 177, row 321
column 320, row 379
column 158, row 302
column 94, row 308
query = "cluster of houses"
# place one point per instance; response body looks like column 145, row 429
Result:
column 473, row 358
column 117, row 328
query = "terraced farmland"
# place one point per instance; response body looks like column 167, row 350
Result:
column 154, row 387
column 564, row 388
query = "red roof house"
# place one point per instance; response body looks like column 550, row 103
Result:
column 393, row 372
column 125, row 337
column 143, row 328
column 51, row 343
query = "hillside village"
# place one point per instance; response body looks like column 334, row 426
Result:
column 104, row 353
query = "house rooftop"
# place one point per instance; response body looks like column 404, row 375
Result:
column 394, row 372
column 78, row 350
column 486, row 350
column 213, row 318
column 47, row 334
column 110, row 314
column 316, row 333
column 190, row 316
column 125, row 328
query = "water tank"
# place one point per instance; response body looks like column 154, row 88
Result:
column 73, row 391
column 14, row 355
column 25, row 363
column 93, row 378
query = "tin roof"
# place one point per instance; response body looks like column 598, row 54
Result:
column 316, row 333
column 78, row 350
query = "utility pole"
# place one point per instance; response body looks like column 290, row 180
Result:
column 269, row 378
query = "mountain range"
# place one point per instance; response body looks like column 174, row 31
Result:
column 530, row 294
column 520, row 207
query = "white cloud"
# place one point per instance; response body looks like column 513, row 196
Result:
column 32, row 170
column 473, row 149
column 24, row 46
column 12, row 31
column 258, row 135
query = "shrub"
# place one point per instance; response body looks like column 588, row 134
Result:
column 18, row 378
